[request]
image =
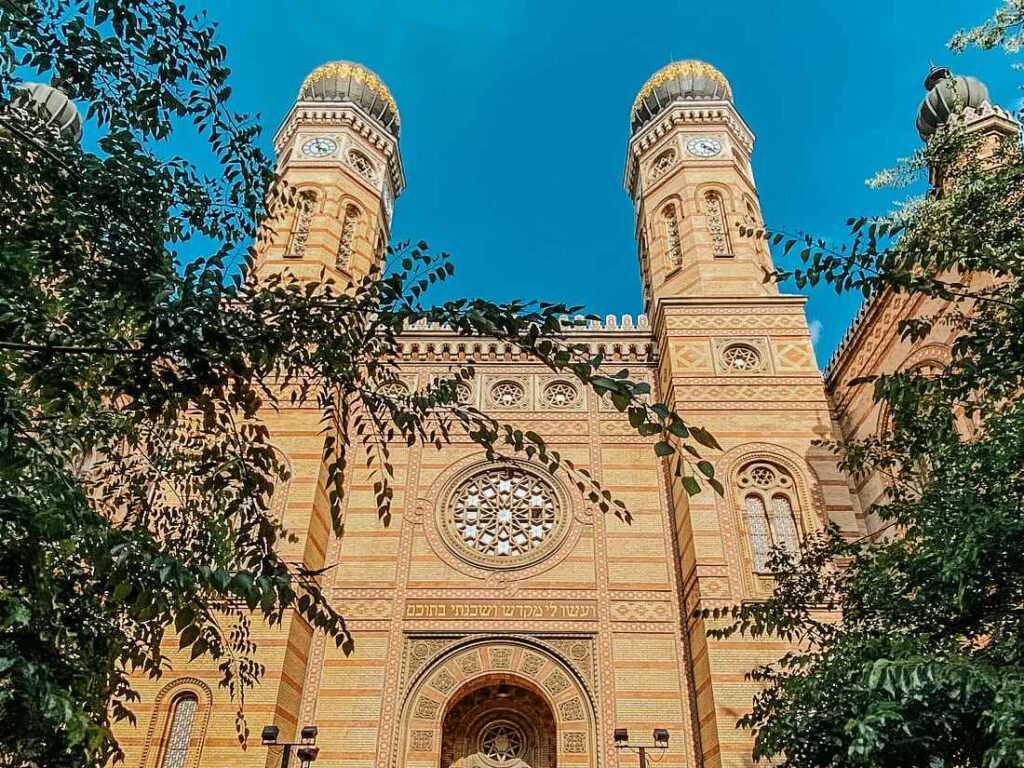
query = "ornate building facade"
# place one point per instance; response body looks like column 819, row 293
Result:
column 501, row 620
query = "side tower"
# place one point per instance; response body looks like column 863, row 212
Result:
column 338, row 149
column 735, row 356
column 872, row 345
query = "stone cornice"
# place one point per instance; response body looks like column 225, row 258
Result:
column 720, row 113
column 347, row 115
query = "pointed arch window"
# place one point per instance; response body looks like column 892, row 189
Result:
column 303, row 221
column 717, row 222
column 348, row 236
column 770, row 511
column 670, row 213
column 179, row 733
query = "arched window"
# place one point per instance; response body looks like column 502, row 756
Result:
column 303, row 220
column 179, row 732
column 645, row 267
column 770, row 509
column 348, row 234
column 714, row 214
column 675, row 248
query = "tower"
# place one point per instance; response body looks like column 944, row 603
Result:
column 338, row 151
column 873, row 344
column 734, row 356
column 688, row 172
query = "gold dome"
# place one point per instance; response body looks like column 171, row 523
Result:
column 349, row 81
column 691, row 80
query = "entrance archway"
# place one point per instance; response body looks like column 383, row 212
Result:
column 496, row 724
column 543, row 701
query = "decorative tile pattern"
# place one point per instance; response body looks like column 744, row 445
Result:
column 571, row 709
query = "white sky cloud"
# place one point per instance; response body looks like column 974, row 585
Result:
column 815, row 328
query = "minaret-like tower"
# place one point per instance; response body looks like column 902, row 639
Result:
column 688, row 172
column 734, row 356
column 338, row 148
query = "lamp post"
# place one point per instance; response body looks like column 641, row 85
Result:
column 660, row 736
column 305, row 749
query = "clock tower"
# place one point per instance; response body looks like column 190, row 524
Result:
column 688, row 172
column 734, row 356
column 338, row 152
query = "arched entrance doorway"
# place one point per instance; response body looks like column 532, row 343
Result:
column 464, row 678
column 495, row 723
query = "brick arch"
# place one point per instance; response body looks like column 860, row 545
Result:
column 515, row 661
column 317, row 190
column 723, row 190
column 933, row 352
column 807, row 489
column 159, row 720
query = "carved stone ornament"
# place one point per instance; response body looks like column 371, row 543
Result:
column 560, row 394
column 508, row 394
column 361, row 164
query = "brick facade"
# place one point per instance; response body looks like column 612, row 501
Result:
column 599, row 633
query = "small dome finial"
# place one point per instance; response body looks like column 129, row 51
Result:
column 57, row 108
column 947, row 94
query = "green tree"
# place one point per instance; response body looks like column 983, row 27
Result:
column 925, row 666
column 135, row 470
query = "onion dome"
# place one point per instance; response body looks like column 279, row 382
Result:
column 947, row 94
column 689, row 80
column 348, row 81
column 57, row 110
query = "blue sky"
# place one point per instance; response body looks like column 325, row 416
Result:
column 515, row 116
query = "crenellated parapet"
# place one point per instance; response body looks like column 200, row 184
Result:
column 620, row 339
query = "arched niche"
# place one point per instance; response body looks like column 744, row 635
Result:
column 532, row 672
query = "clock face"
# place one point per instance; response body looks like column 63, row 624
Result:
column 704, row 146
column 320, row 146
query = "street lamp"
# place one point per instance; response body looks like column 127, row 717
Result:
column 660, row 736
column 305, row 749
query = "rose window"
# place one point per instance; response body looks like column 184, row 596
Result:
column 502, row 742
column 463, row 393
column 503, row 516
column 740, row 357
column 762, row 476
column 560, row 394
column 508, row 393
column 394, row 389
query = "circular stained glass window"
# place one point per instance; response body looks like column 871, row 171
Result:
column 504, row 517
column 502, row 742
column 740, row 357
